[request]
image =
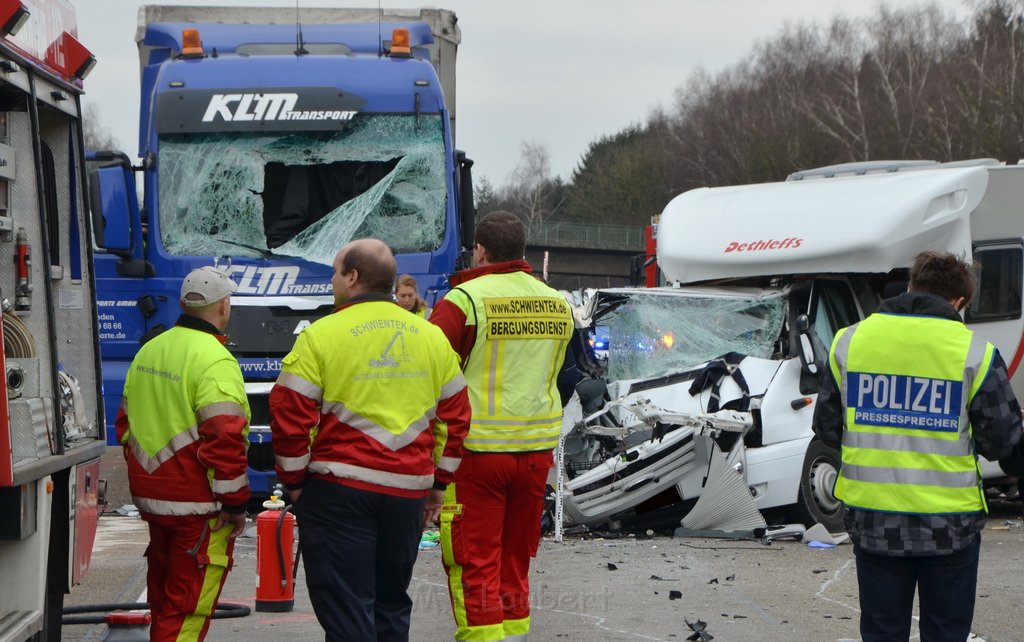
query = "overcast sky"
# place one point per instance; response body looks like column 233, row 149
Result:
column 559, row 72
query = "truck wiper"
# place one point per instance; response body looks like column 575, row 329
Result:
column 265, row 253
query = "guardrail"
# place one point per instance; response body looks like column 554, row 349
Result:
column 582, row 235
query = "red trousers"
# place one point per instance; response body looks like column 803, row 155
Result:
column 490, row 528
column 188, row 564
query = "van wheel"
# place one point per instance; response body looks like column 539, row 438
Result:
column 815, row 503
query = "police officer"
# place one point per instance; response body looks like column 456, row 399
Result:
column 368, row 417
column 511, row 331
column 184, row 421
column 913, row 397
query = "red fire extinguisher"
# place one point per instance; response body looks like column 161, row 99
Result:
column 275, row 540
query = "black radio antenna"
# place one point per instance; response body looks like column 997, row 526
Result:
column 300, row 49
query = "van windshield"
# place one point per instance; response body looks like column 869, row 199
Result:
column 304, row 194
column 650, row 335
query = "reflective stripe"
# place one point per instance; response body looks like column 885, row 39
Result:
column 453, row 387
column 168, row 507
column 300, row 385
column 976, row 363
column 517, row 630
column 149, row 462
column 290, row 464
column 543, row 421
column 382, row 435
column 373, row 476
column 906, row 443
column 222, row 486
column 492, row 378
column 221, row 408
column 914, row 476
column 495, row 442
column 451, row 464
column 840, row 353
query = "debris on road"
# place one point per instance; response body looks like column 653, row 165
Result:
column 818, row 533
column 699, row 629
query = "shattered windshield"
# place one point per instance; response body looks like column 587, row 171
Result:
column 651, row 335
column 304, row 194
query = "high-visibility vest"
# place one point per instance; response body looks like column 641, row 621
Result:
column 165, row 405
column 378, row 374
column 522, row 329
column 906, row 383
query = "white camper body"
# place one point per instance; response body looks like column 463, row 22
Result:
column 770, row 272
column 862, row 218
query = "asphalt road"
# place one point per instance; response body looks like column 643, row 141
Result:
column 609, row 589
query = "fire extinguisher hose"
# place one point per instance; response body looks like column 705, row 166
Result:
column 280, row 550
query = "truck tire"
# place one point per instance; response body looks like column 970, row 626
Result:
column 815, row 503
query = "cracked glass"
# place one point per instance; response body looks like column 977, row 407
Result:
column 650, row 335
column 304, row 194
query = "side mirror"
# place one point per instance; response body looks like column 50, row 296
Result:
column 112, row 200
column 467, row 209
column 810, row 366
column 808, row 358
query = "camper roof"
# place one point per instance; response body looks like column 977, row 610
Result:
column 859, row 223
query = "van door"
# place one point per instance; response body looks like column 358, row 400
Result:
column 833, row 305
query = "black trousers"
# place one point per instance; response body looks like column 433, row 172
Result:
column 358, row 550
column 946, row 587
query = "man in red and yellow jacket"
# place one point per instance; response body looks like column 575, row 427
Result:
column 511, row 331
column 368, row 417
column 184, row 421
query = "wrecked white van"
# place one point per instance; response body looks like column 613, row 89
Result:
column 720, row 369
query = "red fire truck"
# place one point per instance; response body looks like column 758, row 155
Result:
column 51, row 427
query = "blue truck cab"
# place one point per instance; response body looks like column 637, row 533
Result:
column 264, row 148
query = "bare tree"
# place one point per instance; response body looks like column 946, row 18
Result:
column 532, row 193
column 991, row 98
column 97, row 137
column 901, row 84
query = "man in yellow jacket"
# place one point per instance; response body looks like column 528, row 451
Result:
column 184, row 422
column 511, row 331
column 368, row 418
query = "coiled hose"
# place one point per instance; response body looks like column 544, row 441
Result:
column 18, row 340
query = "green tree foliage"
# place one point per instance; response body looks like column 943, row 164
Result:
column 623, row 178
column 484, row 197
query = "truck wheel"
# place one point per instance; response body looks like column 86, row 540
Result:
column 815, row 503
